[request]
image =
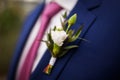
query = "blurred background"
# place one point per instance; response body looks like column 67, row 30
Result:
column 12, row 15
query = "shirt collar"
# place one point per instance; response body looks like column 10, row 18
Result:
column 66, row 4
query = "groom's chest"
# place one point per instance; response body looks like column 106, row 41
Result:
column 55, row 21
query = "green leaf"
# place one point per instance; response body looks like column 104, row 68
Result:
column 48, row 44
column 56, row 50
column 84, row 39
column 72, row 46
column 63, row 24
column 64, row 15
column 49, row 38
column 70, row 34
column 54, row 28
column 62, row 53
column 76, row 35
column 66, row 49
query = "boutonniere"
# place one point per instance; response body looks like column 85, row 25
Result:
column 59, row 38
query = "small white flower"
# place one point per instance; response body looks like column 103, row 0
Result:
column 58, row 37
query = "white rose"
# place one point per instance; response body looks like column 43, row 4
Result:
column 58, row 37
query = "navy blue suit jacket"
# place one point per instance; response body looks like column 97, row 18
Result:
column 98, row 59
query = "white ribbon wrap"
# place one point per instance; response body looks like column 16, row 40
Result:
column 52, row 61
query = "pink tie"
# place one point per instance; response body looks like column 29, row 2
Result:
column 49, row 11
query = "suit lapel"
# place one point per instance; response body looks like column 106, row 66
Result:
column 29, row 23
column 84, row 17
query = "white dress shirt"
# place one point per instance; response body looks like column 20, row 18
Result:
column 67, row 6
